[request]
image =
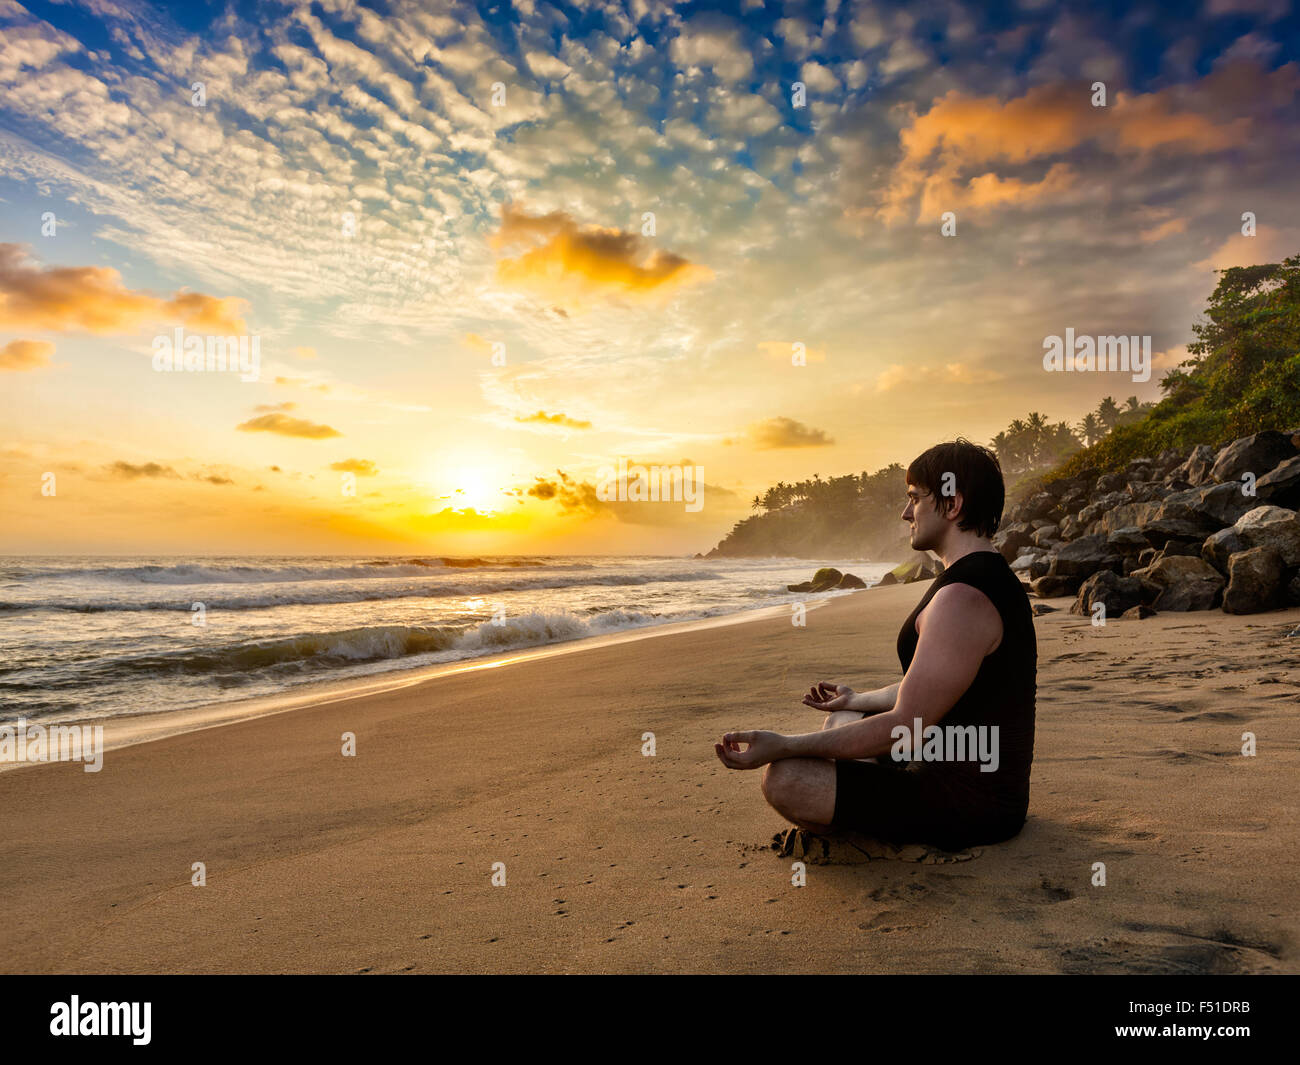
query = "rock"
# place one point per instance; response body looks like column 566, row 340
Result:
column 1147, row 491
column 1070, row 527
column 1129, row 514
column 850, row 581
column 1255, row 581
column 1083, row 557
column 920, row 569
column 1127, row 540
column 1025, row 562
column 886, row 580
column 806, row 586
column 1196, row 469
column 1011, row 538
column 1040, row 567
column 1137, row 613
column 1109, row 482
column 1117, row 594
column 1293, row 592
column 1274, row 527
column 1046, row 534
column 1256, row 454
column 1225, row 503
column 1039, row 505
column 1281, row 485
column 1050, row 586
column 825, row 579
column 1042, row 608
column 1186, row 583
column 1173, row 548
column 1221, row 546
column 1145, row 558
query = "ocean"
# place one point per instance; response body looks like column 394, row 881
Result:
column 100, row 637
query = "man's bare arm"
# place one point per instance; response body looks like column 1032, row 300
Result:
column 958, row 628
column 829, row 697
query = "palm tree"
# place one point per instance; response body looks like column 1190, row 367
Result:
column 1109, row 413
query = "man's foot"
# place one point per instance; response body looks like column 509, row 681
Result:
column 800, row 843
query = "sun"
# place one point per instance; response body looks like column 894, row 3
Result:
column 467, row 484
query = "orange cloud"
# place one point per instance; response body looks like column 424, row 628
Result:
column 563, row 420
column 961, row 134
column 361, row 467
column 93, row 299
column 287, row 426
column 571, row 263
column 25, row 354
column 786, row 433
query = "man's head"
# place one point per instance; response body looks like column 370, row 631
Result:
column 957, row 485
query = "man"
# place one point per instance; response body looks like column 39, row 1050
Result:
column 969, row 658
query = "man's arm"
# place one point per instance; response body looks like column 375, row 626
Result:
column 875, row 702
column 958, row 628
column 829, row 697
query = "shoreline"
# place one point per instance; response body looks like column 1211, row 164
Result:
column 127, row 730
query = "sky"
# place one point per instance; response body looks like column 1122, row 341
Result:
column 487, row 252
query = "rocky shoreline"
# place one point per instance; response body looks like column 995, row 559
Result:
column 1182, row 531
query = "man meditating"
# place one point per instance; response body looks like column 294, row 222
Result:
column 969, row 659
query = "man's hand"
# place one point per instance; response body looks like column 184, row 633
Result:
column 763, row 747
column 829, row 697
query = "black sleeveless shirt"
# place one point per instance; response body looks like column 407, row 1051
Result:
column 1002, row 694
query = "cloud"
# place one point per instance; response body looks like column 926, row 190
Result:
column 125, row 471
column 563, row 420
column 22, row 355
column 569, row 262
column 272, row 408
column 787, row 433
column 947, row 150
column 287, row 426
column 571, row 495
column 361, row 467
column 303, row 353
column 93, row 299
column 713, row 41
column 957, row 373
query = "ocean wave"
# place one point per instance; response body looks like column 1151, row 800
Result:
column 214, row 573
column 308, row 595
column 345, row 647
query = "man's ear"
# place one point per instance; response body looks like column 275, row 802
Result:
column 955, row 502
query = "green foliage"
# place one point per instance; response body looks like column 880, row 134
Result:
column 1243, row 375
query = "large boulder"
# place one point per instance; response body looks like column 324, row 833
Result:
column 1274, row 527
column 1050, row 586
column 1256, row 581
column 1011, row 538
column 1186, row 583
column 851, row 581
column 1256, row 454
column 1117, row 594
column 1225, row 503
column 1196, row 469
column 1281, row 485
column 1085, row 556
column 1045, row 534
column 1220, row 547
column 919, row 569
column 1127, row 540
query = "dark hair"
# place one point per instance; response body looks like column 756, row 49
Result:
column 976, row 474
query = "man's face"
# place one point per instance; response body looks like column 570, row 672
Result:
column 925, row 522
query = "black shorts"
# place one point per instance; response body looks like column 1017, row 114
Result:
column 899, row 802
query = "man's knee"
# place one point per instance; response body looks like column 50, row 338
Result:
column 790, row 788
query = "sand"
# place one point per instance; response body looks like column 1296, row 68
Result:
column 619, row 862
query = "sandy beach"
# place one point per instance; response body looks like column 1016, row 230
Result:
column 620, row 862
